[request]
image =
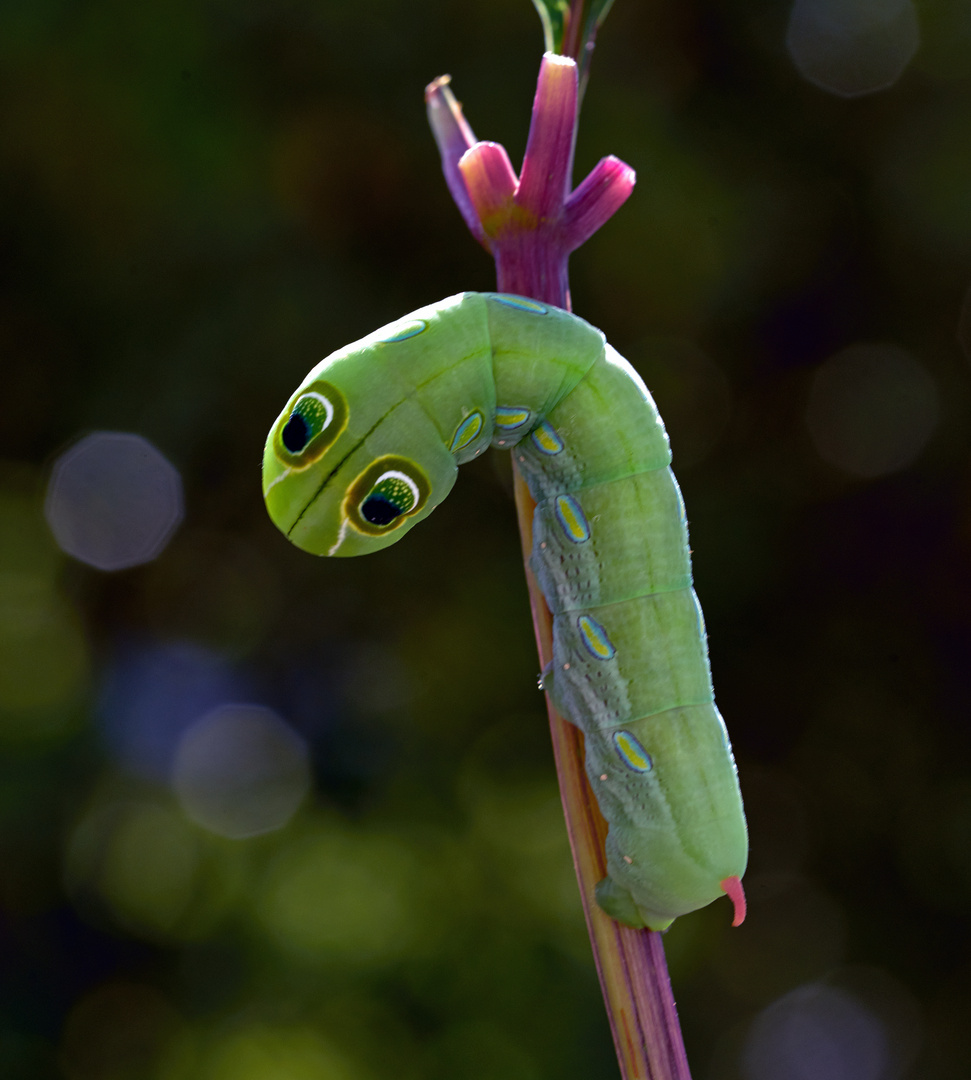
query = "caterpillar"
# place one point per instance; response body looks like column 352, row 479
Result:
column 369, row 445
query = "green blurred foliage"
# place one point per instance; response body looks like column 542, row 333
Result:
column 44, row 661
column 199, row 200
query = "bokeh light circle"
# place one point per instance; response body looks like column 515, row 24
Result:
column 113, row 501
column 241, row 771
column 817, row 1032
column 872, row 409
column 344, row 893
column 852, row 47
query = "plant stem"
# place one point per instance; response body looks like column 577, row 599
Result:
column 530, row 224
column 630, row 963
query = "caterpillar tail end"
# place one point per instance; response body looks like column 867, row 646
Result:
column 618, row 903
column 732, row 887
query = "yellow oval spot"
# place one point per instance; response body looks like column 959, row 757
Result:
column 546, row 440
column 466, row 432
column 631, row 753
column 572, row 520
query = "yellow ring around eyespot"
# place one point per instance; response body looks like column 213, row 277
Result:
column 336, row 410
column 403, row 469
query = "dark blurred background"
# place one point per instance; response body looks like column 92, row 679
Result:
column 267, row 817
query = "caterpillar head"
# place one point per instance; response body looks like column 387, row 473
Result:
column 353, row 461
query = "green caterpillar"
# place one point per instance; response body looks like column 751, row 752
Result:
column 370, row 444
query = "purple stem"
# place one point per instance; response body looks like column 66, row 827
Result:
column 544, row 181
column 603, row 191
column 532, row 222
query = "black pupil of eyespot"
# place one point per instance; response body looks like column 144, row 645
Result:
column 296, row 433
column 379, row 511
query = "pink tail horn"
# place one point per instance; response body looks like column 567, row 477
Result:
column 733, row 887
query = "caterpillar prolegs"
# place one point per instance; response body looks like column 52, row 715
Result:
column 370, row 444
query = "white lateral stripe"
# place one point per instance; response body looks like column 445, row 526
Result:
column 340, row 537
column 272, row 483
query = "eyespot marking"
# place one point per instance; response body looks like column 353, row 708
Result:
column 631, row 753
column 569, row 513
column 311, row 415
column 392, row 495
column 296, row 433
column 409, row 330
column 388, row 491
column 466, row 431
column 546, row 440
column 595, row 638
column 509, row 417
column 520, row 303
column 311, row 424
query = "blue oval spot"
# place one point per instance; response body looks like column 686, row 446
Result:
column 409, row 330
column 509, row 417
column 573, row 521
column 631, row 753
column 546, row 440
column 520, row 303
column 595, row 638
column 466, row 432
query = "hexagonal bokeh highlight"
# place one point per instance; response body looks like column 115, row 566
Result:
column 857, row 1023
column 113, row 501
column 241, row 771
column 852, row 47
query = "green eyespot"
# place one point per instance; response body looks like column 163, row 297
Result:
column 310, row 424
column 388, row 491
